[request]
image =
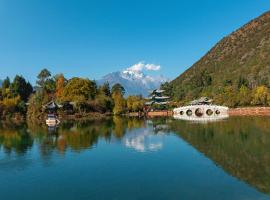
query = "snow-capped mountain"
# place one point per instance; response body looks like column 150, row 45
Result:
column 135, row 82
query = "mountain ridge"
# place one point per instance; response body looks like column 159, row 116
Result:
column 134, row 82
column 241, row 58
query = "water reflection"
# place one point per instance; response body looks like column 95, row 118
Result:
column 202, row 119
column 143, row 140
column 240, row 146
column 76, row 136
column 15, row 139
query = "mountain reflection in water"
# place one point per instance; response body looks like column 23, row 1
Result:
column 239, row 145
column 78, row 136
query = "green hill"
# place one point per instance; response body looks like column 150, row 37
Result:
column 235, row 72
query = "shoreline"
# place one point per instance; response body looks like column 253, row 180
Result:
column 249, row 111
column 243, row 111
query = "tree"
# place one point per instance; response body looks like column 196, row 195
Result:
column 118, row 88
column 60, row 84
column 5, row 88
column 50, row 85
column 168, row 89
column 10, row 104
column 228, row 97
column 43, row 77
column 242, row 82
column 119, row 103
column 79, row 89
column 244, row 96
column 6, row 83
column 20, row 87
column 34, row 110
column 260, row 96
column 105, row 89
column 201, row 79
column 102, row 103
column 135, row 103
column 95, row 88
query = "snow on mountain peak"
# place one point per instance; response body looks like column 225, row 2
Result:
column 134, row 80
column 129, row 74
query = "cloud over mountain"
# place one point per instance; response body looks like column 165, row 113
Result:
column 140, row 66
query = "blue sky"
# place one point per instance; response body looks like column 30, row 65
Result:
column 92, row 38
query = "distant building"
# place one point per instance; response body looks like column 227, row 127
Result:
column 65, row 106
column 51, row 107
column 157, row 98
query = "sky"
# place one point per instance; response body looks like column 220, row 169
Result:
column 91, row 38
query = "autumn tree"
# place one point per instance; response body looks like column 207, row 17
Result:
column 260, row 96
column 11, row 104
column 135, row 103
column 79, row 89
column 244, row 96
column 60, row 84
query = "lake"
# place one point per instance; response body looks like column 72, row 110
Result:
column 137, row 159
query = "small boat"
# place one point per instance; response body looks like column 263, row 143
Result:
column 201, row 110
column 52, row 120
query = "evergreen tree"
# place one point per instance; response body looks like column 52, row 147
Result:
column 105, row 89
column 20, row 87
column 118, row 88
column 6, row 83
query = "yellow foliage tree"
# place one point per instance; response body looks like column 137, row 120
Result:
column 135, row 103
column 10, row 104
column 119, row 103
column 244, row 96
column 260, row 96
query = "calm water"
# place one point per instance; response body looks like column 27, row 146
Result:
column 137, row 159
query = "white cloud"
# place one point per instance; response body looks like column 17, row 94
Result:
column 142, row 66
column 152, row 67
column 137, row 67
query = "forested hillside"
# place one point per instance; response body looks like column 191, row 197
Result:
column 235, row 72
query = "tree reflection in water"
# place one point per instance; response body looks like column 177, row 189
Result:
column 240, row 145
column 15, row 139
column 75, row 136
